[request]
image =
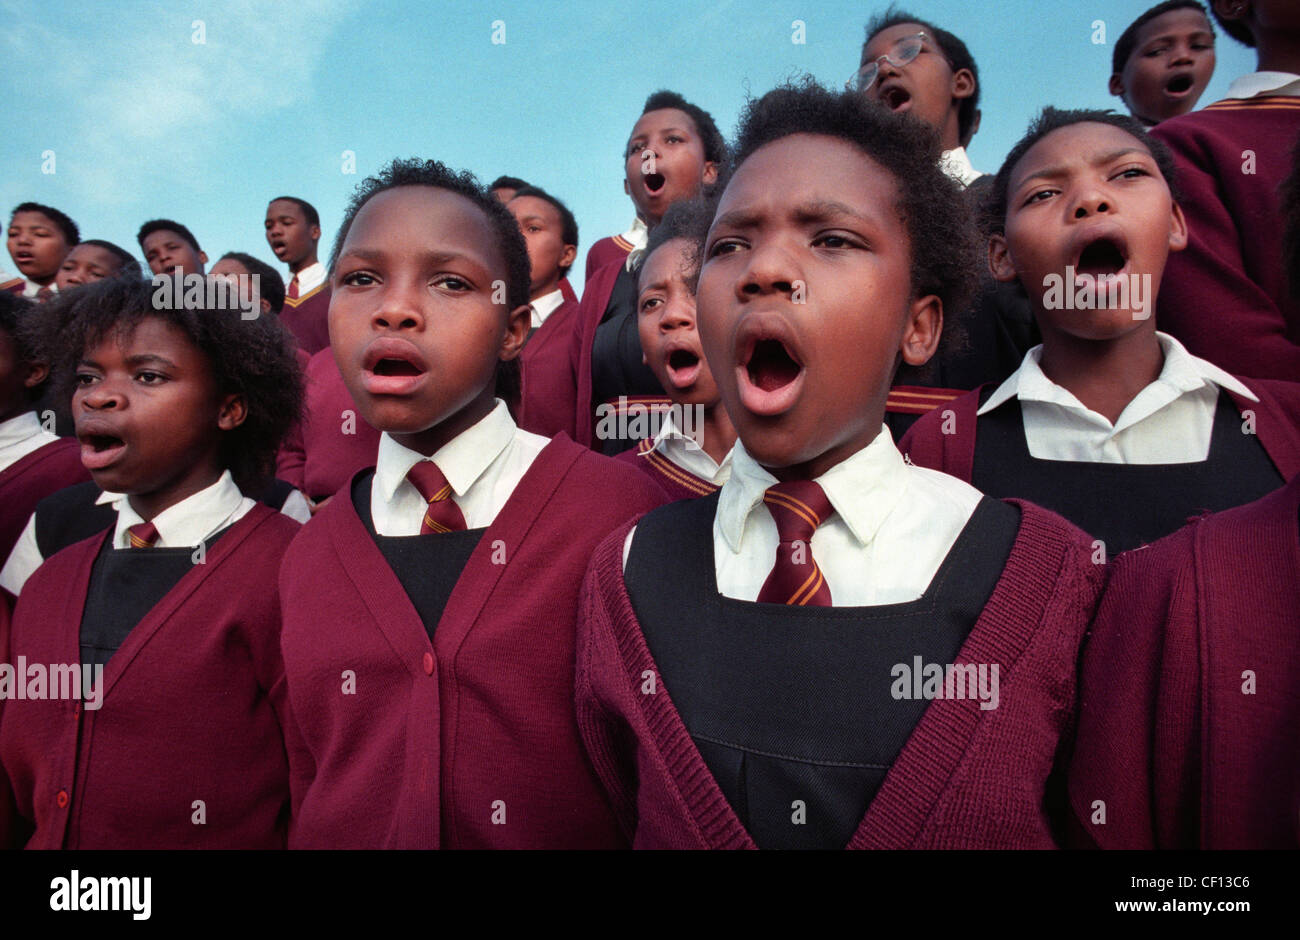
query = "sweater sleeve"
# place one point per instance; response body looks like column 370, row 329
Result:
column 8, row 813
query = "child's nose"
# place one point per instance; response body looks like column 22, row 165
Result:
column 770, row 271
column 398, row 309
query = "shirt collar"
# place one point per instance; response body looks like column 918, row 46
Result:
column 863, row 490
column 957, row 165
column 19, row 428
column 638, row 235
column 1182, row 372
column 188, row 522
column 546, row 305
column 310, row 277
column 670, row 436
column 462, row 460
column 31, row 288
column 1256, row 84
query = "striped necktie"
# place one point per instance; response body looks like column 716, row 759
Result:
column 442, row 514
column 798, row 508
column 141, row 535
column 44, row 294
column 293, row 288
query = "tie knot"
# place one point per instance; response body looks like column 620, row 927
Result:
column 429, row 481
column 798, row 507
column 142, row 534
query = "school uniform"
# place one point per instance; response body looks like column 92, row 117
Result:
column 306, row 308
column 548, row 397
column 1197, row 439
column 25, row 287
column 616, row 247
column 720, row 717
column 185, row 748
column 458, row 731
column 1188, row 716
column 333, row 441
column 13, row 285
column 1226, row 296
column 675, row 462
column 33, row 464
column 956, row 164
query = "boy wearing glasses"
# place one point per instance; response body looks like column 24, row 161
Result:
column 910, row 65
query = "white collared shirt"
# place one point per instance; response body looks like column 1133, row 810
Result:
column 483, row 464
column 957, row 165
column 31, row 288
column 193, row 520
column 892, row 528
column 682, row 450
column 309, row 278
column 1256, row 84
column 1169, row 421
column 20, row 436
column 637, row 236
column 546, row 305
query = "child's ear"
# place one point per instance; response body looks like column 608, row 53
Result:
column 517, row 326
column 1116, row 85
column 233, row 412
column 1000, row 263
column 963, row 83
column 203, row 256
column 37, row 372
column 569, row 255
column 710, row 173
column 922, row 331
column 266, row 306
column 627, row 190
column 315, row 233
column 1177, row 229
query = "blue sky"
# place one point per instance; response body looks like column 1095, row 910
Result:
column 145, row 122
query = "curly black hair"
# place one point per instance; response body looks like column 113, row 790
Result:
column 252, row 358
column 1237, row 29
column 568, row 224
column 993, row 212
column 166, row 225
column 308, row 210
column 21, row 319
column 270, row 284
column 941, row 234
column 1127, row 41
column 71, row 234
column 954, row 50
column 688, row 219
column 715, row 145
column 128, row 266
column 510, row 241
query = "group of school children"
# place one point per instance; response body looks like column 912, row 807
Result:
column 968, row 516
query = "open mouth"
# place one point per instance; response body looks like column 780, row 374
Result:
column 100, row 450
column 1179, row 85
column 895, row 97
column 1101, row 258
column 24, row 257
column 396, row 367
column 654, row 183
column 683, row 367
column 277, row 247
column 393, row 367
column 771, row 366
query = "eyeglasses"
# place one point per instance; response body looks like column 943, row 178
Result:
column 904, row 51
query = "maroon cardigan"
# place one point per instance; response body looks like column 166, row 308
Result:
column 965, row 779
column 1167, row 739
column 595, row 298
column 609, row 249
column 26, row 482
column 192, row 707
column 1277, row 422
column 307, row 318
column 550, row 387
column 675, row 482
column 1225, row 297
column 441, row 736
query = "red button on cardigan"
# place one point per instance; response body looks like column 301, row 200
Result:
column 62, row 799
column 428, row 664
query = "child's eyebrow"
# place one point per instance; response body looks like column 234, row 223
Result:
column 807, row 212
column 145, row 359
column 1056, row 172
column 376, row 255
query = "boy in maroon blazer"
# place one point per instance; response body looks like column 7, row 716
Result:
column 293, row 231
column 811, row 657
column 430, row 607
column 1225, row 297
column 165, row 730
column 1109, row 423
column 170, row 248
column 39, row 238
column 1163, row 60
column 549, row 386
column 689, row 453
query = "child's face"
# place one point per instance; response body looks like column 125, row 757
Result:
column 665, row 162
column 543, row 231
column 1091, row 197
column 36, row 245
column 287, row 232
column 805, row 302
column 86, row 264
column 1171, row 64
column 412, row 320
column 670, row 343
column 149, row 415
column 925, row 87
column 231, row 270
column 168, row 253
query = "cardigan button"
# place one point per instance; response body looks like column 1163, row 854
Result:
column 62, row 799
column 428, row 664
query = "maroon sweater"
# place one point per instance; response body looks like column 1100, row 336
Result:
column 319, row 456
column 307, row 318
column 1226, row 296
column 1277, row 422
column 676, row 482
column 550, row 387
column 965, row 779
column 609, row 249
column 595, row 298
column 441, row 736
column 192, row 707
column 1169, row 738
column 26, row 482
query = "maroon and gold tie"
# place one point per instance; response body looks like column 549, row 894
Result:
column 442, row 514
column 293, row 288
column 141, row 535
column 798, row 508
column 44, row 294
